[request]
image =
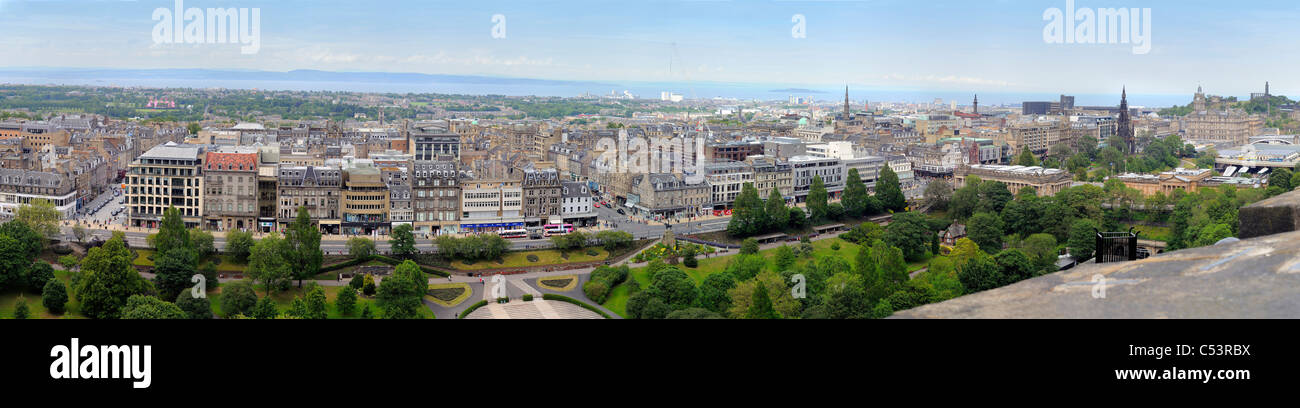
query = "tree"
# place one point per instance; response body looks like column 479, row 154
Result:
column 744, row 294
column 1083, row 238
column 993, row 197
column 403, row 241
column 777, row 214
column 749, row 246
column 784, row 258
column 149, row 307
column 693, row 313
column 265, row 309
column 400, row 294
column 909, row 232
column 889, row 191
column 747, row 216
column 713, row 292
column 980, row 274
column 864, row 263
column 890, row 264
column 798, row 219
column 937, row 194
column 845, row 296
column 1041, row 249
column 817, row 200
column 673, row 287
column 1212, row 233
column 1281, row 178
column 194, row 307
column 238, row 244
column 54, row 296
column 855, row 195
column 269, row 263
column 172, row 234
column 38, row 274
column 346, row 301
column 79, row 232
column 613, row 239
column 761, row 308
column 32, row 241
column 238, row 298
column 986, row 230
column 204, row 243
column 109, row 281
column 1026, row 158
column 1014, row 265
column 173, row 271
column 20, row 309
column 193, row 128
column 303, row 247
column 360, row 248
column 317, row 307
column 41, row 215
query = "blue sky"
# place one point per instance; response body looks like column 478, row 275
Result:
column 1230, row 48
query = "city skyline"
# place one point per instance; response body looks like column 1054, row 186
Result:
column 976, row 47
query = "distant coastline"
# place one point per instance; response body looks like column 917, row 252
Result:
column 384, row 82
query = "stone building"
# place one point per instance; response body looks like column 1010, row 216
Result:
column 230, row 191
column 542, row 194
column 319, row 189
column 168, row 175
column 435, row 196
column 1047, row 182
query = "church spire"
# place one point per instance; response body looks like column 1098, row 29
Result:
column 846, row 101
column 977, row 104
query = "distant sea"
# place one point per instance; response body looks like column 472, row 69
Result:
column 308, row 80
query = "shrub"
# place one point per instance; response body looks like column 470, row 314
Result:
column 346, row 301
column 369, row 287
column 69, row 261
column 835, row 246
column 503, row 300
column 54, row 296
column 357, row 281
column 195, row 308
column 749, row 246
column 528, row 297
column 237, row 298
column 467, row 310
column 596, row 290
column 533, row 258
column 690, row 262
column 38, row 274
column 592, row 252
column 584, row 305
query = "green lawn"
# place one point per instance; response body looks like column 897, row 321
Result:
column 617, row 300
column 10, row 297
column 1151, row 232
column 544, row 257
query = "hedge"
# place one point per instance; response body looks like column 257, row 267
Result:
column 584, row 305
column 471, row 309
column 395, row 262
column 344, row 264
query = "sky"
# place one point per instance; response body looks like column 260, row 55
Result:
column 1230, row 48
